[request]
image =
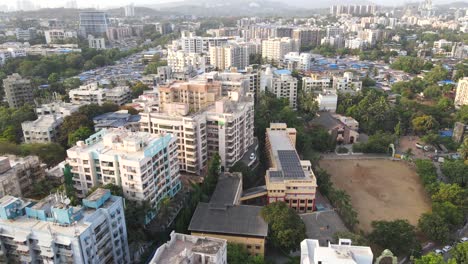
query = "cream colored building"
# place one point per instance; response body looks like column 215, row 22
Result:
column 316, row 84
column 289, row 179
column 42, row 130
column 229, row 56
column 281, row 83
column 180, row 61
column 275, row 49
column 145, row 165
column 461, row 98
column 348, row 83
column 93, row 94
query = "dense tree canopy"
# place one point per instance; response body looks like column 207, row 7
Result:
column 399, row 236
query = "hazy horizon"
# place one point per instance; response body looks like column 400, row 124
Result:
column 120, row 3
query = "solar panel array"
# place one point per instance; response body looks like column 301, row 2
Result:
column 290, row 164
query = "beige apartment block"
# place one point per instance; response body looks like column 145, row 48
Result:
column 18, row 175
column 461, row 97
column 289, row 179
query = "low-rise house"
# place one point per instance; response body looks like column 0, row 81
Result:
column 341, row 253
column 344, row 130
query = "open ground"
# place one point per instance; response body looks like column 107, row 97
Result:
column 380, row 189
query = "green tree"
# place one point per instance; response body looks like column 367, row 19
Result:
column 286, row 228
column 358, row 240
column 434, row 226
column 399, row 236
column 81, row 133
column 138, row 89
column 463, row 150
column 72, row 123
column 438, row 73
column 99, row 60
column 460, row 253
column 424, row 123
column 462, row 114
column 452, row 193
column 53, row 77
column 308, row 104
column 452, row 215
column 432, row 92
column 431, row 258
column 238, row 254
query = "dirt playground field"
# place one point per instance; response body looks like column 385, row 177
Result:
column 379, row 189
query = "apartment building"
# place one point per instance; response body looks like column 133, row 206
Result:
column 327, row 101
column 59, row 108
column 348, row 83
column 182, row 248
column 342, row 253
column 181, row 61
column 19, row 174
column 315, row 83
column 196, row 94
column 307, row 36
column 42, row 130
column 298, row 61
column 18, row 91
column 53, row 231
column 196, row 44
column 59, row 35
column 143, row 164
column 230, row 56
column 275, row 49
column 337, row 10
column 461, row 97
column 281, row 84
column 96, row 43
column 93, row 94
column 289, row 179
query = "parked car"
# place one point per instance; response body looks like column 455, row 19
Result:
column 447, row 248
column 463, row 239
column 438, row 251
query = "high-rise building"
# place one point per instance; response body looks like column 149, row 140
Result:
column 18, row 91
column 275, row 49
column 195, row 44
column 53, row 231
column 228, row 56
column 129, row 10
column 461, row 98
column 307, row 36
column 18, row 175
column 289, row 179
column 145, row 165
column 180, row 61
column 93, row 23
column 281, row 83
column 337, row 10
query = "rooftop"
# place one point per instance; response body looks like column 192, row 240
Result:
column 342, row 253
column 228, row 189
column 243, row 220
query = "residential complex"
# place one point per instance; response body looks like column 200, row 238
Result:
column 316, row 83
column 59, row 35
column 93, row 94
column 225, row 218
column 229, row 56
column 180, row 61
column 289, row 179
column 347, row 84
column 145, row 165
column 275, row 49
column 281, row 84
column 341, row 253
column 53, row 231
column 18, row 91
column 18, row 175
column 183, row 248
column 42, row 130
column 196, row 44
column 461, row 98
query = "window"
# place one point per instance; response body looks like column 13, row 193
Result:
column 249, row 246
column 257, row 247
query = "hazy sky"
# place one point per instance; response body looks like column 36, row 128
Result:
column 114, row 3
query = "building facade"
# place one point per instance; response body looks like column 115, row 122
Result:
column 18, row 91
column 289, row 179
column 92, row 94
column 341, row 253
column 18, row 175
column 52, row 231
column 58, row 35
column 275, row 49
column 93, row 23
column 461, row 98
column 42, row 130
column 143, row 164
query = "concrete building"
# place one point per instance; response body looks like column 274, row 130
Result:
column 461, row 98
column 59, row 108
column 119, row 33
column 307, row 36
column 316, row 84
column 129, row 10
column 25, row 34
column 275, row 49
column 341, row 253
column 229, row 56
column 327, row 101
column 18, row 91
column 289, row 179
column 181, row 61
column 96, row 43
column 18, row 175
column 225, row 218
column 460, row 131
column 343, row 129
column 281, row 84
column 195, row 44
column 191, row 249
column 144, row 165
column 337, row 10
column 53, row 231
column 347, row 84
column 59, row 35
column 93, row 23
column 92, row 94
column 42, row 130
column 118, row 119
column 298, row 61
